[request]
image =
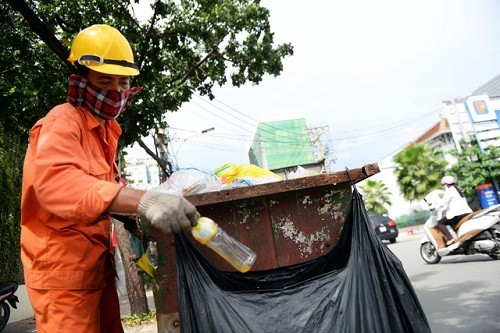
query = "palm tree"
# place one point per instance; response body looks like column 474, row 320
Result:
column 419, row 170
column 376, row 196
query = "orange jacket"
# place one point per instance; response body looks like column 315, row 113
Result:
column 68, row 182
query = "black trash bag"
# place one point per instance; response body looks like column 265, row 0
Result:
column 359, row 286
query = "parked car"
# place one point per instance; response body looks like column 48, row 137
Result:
column 385, row 227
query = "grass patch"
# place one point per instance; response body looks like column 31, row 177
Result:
column 139, row 319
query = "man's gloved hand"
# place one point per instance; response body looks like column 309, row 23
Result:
column 167, row 212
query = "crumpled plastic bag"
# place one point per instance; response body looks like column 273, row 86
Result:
column 359, row 286
column 234, row 175
column 189, row 182
column 300, row 172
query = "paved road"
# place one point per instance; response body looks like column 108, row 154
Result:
column 461, row 294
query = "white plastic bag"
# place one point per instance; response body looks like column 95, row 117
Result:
column 189, row 182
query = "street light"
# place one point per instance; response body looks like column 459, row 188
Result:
column 192, row 136
column 207, row 130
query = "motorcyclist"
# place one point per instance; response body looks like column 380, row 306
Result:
column 456, row 207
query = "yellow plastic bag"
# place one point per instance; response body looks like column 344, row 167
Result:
column 244, row 174
column 145, row 265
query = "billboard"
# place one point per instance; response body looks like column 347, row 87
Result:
column 480, row 109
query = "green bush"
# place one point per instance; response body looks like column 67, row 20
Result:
column 415, row 218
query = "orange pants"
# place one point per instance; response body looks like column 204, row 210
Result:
column 77, row 311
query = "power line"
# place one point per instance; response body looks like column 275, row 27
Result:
column 239, row 123
column 374, row 131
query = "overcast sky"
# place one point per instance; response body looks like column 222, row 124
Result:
column 374, row 73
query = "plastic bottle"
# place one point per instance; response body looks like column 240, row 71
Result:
column 234, row 252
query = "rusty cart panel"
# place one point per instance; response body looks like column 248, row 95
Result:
column 285, row 223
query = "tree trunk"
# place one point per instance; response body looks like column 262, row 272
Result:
column 133, row 278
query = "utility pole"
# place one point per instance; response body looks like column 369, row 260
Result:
column 263, row 155
column 464, row 134
column 322, row 150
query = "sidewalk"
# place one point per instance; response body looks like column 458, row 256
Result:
column 28, row 326
column 144, row 328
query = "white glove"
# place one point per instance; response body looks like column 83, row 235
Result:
column 167, row 213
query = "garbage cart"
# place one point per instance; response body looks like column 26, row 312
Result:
column 285, row 222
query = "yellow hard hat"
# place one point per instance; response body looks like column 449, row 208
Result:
column 105, row 50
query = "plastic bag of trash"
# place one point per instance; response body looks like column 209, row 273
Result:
column 235, row 175
column 359, row 286
column 189, row 182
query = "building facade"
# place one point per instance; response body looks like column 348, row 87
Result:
column 284, row 146
column 477, row 114
column 142, row 173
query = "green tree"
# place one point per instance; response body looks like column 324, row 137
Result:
column 376, row 196
column 10, row 186
column 475, row 167
column 184, row 48
column 419, row 170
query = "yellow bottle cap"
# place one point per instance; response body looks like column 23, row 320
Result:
column 205, row 230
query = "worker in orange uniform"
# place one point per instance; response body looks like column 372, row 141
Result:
column 69, row 191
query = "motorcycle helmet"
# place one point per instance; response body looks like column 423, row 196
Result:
column 103, row 49
column 448, row 180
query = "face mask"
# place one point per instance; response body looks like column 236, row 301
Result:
column 107, row 104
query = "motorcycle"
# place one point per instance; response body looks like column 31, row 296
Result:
column 7, row 296
column 476, row 233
